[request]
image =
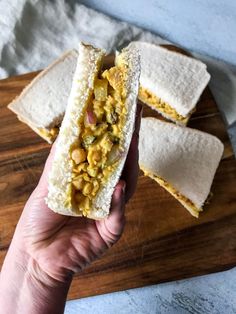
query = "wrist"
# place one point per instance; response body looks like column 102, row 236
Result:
column 26, row 288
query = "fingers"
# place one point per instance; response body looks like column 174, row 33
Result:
column 131, row 168
column 138, row 117
column 37, row 198
column 36, row 208
column 116, row 218
column 111, row 228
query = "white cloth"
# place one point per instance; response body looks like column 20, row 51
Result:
column 33, row 33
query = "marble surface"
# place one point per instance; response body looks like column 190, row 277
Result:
column 211, row 294
column 205, row 26
column 32, row 34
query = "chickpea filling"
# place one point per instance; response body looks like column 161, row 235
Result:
column 157, row 103
column 50, row 134
column 99, row 147
column 181, row 198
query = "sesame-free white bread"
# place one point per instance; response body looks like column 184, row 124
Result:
column 185, row 158
column 129, row 57
column 176, row 79
column 43, row 102
column 88, row 66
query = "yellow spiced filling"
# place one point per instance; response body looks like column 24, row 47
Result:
column 96, row 153
column 157, row 103
column 49, row 135
column 189, row 205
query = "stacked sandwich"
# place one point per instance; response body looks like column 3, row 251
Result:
column 99, row 116
column 180, row 159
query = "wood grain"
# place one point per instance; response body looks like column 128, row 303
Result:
column 161, row 242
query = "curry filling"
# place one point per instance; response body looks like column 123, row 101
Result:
column 50, row 135
column 181, row 198
column 157, row 103
column 99, row 148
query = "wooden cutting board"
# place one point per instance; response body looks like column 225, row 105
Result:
column 161, row 242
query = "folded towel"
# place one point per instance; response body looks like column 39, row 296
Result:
column 34, row 33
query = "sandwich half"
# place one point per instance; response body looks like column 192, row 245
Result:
column 42, row 103
column 182, row 160
column 95, row 134
column 170, row 82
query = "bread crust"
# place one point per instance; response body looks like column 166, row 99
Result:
column 88, row 66
column 177, row 79
column 185, row 158
column 35, row 105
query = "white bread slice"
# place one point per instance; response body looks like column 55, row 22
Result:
column 42, row 103
column 184, row 158
column 177, row 79
column 88, row 66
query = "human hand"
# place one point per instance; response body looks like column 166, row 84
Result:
column 48, row 248
column 60, row 245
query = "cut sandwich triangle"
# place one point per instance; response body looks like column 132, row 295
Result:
column 182, row 160
column 42, row 103
column 162, row 107
column 170, row 82
column 95, row 134
column 187, row 203
column 96, row 153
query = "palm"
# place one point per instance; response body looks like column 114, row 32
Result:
column 62, row 245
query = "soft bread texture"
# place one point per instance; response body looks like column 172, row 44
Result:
column 161, row 107
column 35, row 129
column 185, row 158
column 130, row 58
column 176, row 79
column 88, row 66
column 43, row 102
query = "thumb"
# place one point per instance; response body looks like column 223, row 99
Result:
column 115, row 221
